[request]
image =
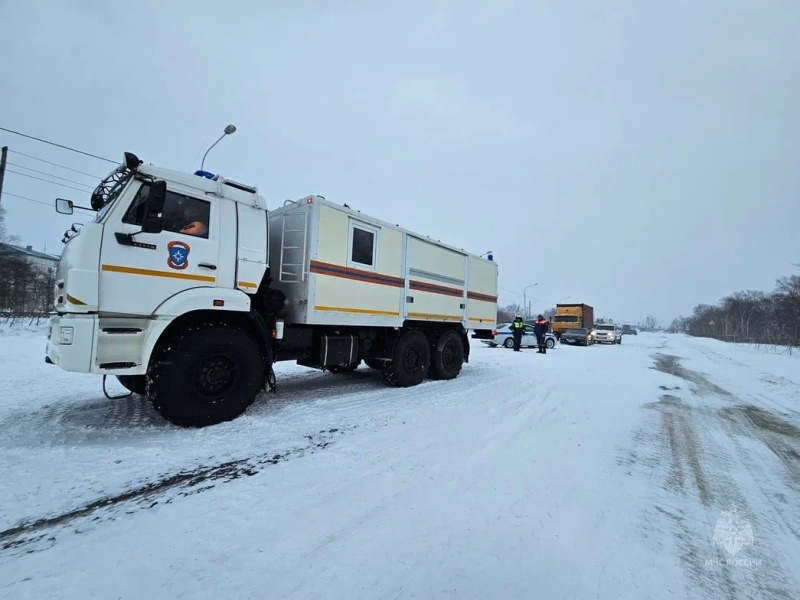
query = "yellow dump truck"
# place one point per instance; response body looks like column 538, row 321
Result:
column 569, row 316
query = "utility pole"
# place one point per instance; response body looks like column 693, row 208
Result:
column 3, row 154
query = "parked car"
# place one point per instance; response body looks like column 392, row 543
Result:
column 606, row 333
column 503, row 337
column 578, row 336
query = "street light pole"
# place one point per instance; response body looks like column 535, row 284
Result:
column 524, row 299
column 228, row 131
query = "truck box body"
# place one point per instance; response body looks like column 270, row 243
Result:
column 569, row 316
column 337, row 266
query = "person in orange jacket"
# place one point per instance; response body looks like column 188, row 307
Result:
column 540, row 327
column 194, row 224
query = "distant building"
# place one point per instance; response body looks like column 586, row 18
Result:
column 46, row 262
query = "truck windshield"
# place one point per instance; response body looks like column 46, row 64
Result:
column 605, row 327
column 109, row 190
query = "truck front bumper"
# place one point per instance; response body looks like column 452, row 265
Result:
column 103, row 345
column 70, row 340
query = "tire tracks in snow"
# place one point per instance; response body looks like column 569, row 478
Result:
column 25, row 536
column 696, row 462
column 352, row 391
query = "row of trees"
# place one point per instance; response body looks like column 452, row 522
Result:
column 26, row 290
column 771, row 318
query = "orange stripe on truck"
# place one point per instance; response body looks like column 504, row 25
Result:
column 155, row 273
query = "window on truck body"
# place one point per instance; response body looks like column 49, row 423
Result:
column 179, row 211
column 363, row 246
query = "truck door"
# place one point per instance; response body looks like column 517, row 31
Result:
column 137, row 277
column 436, row 283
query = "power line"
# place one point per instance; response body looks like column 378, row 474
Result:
column 30, row 137
column 26, row 198
column 38, row 201
column 46, row 181
column 49, row 175
column 55, row 164
column 511, row 291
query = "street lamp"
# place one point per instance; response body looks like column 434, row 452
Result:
column 524, row 299
column 228, row 131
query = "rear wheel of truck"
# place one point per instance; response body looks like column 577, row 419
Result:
column 135, row 384
column 447, row 357
column 205, row 376
column 411, row 359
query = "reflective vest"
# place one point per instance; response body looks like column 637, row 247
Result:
column 518, row 324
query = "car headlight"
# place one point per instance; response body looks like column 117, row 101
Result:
column 65, row 335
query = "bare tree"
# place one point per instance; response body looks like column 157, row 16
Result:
column 752, row 316
column 25, row 290
column 5, row 238
column 506, row 314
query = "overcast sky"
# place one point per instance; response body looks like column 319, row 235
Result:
column 642, row 157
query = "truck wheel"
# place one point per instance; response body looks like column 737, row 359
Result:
column 447, row 357
column 549, row 343
column 133, row 383
column 411, row 359
column 207, row 375
column 374, row 363
column 508, row 343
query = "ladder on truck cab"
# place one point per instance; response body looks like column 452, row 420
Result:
column 294, row 226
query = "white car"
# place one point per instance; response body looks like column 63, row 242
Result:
column 504, row 337
column 607, row 334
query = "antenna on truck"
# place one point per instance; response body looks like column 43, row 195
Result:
column 228, row 131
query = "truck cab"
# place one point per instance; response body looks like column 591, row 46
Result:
column 162, row 244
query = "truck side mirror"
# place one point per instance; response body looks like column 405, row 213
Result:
column 64, row 206
column 153, row 219
column 156, row 197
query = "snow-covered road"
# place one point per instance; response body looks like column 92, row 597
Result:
column 664, row 467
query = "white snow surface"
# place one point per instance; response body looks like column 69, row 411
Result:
column 600, row 472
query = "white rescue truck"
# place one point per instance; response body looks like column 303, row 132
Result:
column 187, row 289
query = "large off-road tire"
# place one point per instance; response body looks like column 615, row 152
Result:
column 374, row 363
column 135, row 384
column 447, row 356
column 411, row 359
column 206, row 375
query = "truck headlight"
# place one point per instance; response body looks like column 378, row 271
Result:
column 65, row 335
